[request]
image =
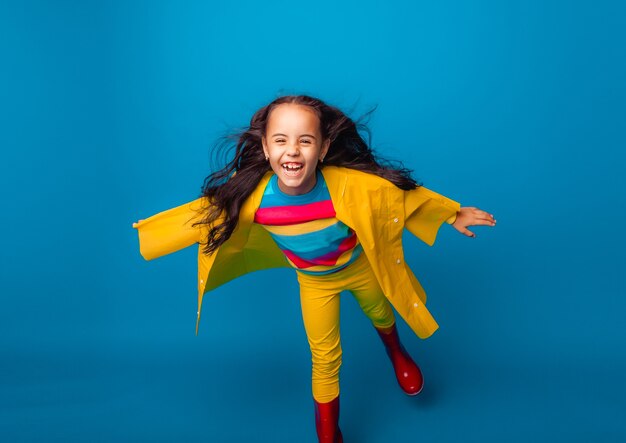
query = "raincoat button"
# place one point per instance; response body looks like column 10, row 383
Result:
column 395, row 220
column 415, row 305
column 398, row 261
column 201, row 281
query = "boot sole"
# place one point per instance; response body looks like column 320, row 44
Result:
column 414, row 394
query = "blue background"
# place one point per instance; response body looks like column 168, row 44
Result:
column 108, row 115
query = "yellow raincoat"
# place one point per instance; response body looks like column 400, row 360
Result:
column 373, row 207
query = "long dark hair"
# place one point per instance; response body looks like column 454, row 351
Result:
column 229, row 187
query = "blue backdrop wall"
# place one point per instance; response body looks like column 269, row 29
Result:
column 109, row 112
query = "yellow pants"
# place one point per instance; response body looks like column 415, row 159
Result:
column 319, row 298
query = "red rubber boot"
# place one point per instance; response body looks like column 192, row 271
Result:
column 407, row 372
column 327, row 421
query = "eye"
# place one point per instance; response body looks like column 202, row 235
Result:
column 279, row 140
column 305, row 141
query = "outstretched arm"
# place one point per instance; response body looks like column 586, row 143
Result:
column 471, row 216
column 171, row 230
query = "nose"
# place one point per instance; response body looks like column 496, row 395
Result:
column 293, row 150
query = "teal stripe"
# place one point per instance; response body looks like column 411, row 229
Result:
column 314, row 244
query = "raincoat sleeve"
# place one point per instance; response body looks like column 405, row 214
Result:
column 425, row 211
column 171, row 230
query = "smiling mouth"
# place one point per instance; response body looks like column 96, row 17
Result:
column 292, row 167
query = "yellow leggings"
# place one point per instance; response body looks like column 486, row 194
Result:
column 319, row 299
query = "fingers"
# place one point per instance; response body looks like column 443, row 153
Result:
column 482, row 217
column 481, row 213
column 467, row 232
column 473, row 216
column 484, row 221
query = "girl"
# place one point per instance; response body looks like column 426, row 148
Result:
column 304, row 190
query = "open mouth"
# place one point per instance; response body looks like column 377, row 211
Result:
column 292, row 167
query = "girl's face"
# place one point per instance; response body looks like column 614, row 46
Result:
column 293, row 143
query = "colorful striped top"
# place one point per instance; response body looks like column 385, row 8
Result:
column 305, row 228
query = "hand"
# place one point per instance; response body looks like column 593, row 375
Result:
column 470, row 216
column 135, row 224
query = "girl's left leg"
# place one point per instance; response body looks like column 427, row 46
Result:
column 365, row 288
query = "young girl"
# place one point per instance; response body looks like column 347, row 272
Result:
column 304, row 190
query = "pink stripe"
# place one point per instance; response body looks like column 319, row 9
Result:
column 288, row 215
column 329, row 259
column 299, row 262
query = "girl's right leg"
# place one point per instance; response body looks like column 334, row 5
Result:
column 320, row 312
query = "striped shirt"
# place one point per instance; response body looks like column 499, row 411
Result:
column 305, row 228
